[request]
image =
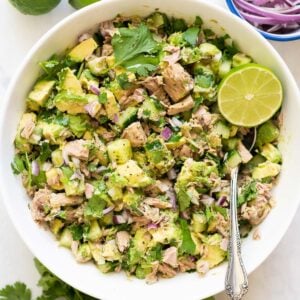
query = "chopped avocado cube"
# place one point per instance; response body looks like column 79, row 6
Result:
column 157, row 20
column 230, row 144
column 240, row 59
column 132, row 200
column 150, row 110
column 134, row 174
column 159, row 156
column 199, row 222
column 54, row 133
column 56, row 225
column 266, row 169
column 267, row 133
column 40, row 93
column 167, row 234
column 119, row 151
column 71, row 103
column 213, row 255
column 83, row 50
column 271, row 153
column 254, row 162
column 224, row 68
column 221, row 128
column 53, row 178
column 57, row 158
column 87, row 79
column 233, row 160
column 111, row 106
column 68, row 82
column 127, row 116
column 66, row 238
column 95, row 232
column 98, row 66
column 175, row 141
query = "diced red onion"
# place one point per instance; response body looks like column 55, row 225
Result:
column 175, row 122
column 207, row 200
column 172, row 174
column 115, row 118
column 172, row 197
column 166, row 133
column 65, row 156
column 92, row 108
column 35, row 168
column 84, row 37
column 221, row 200
column 224, row 244
column 76, row 175
column 108, row 210
column 94, row 89
column 185, row 215
column 119, row 219
column 152, row 226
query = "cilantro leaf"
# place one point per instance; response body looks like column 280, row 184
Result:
column 249, row 192
column 76, row 231
column 131, row 42
column 191, row 35
column 18, row 165
column 45, row 152
column 188, row 246
column 54, row 289
column 18, row 291
column 94, row 207
column 124, row 81
column 102, row 98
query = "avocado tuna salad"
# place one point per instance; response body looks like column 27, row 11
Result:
column 126, row 157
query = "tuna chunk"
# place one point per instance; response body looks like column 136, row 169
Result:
column 122, row 240
column 178, row 82
column 77, row 149
column 244, row 153
column 174, row 54
column 156, row 202
column 60, row 199
column 137, row 97
column 107, row 50
column 184, row 105
column 28, row 128
column 170, row 257
column 107, row 30
column 39, row 203
column 155, row 87
column 89, row 190
column 135, row 134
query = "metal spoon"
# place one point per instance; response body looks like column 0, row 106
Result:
column 236, row 282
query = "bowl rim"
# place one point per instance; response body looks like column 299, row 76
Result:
column 270, row 36
column 13, row 83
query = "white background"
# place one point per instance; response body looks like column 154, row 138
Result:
column 278, row 277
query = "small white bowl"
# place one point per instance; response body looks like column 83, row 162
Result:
column 116, row 286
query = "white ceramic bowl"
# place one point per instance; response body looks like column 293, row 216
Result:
column 116, row 286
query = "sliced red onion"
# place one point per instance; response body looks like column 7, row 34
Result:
column 166, row 133
column 84, row 37
column 119, row 219
column 275, row 28
column 94, row 89
column 221, row 200
column 293, row 2
column 108, row 210
column 152, row 226
column 172, row 174
column 207, row 200
column 35, row 168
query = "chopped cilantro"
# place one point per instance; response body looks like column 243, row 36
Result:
column 94, row 207
column 102, row 98
column 249, row 192
column 191, row 35
column 17, row 291
column 188, row 246
column 18, row 165
column 77, row 231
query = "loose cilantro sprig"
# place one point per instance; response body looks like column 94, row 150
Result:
column 188, row 246
column 135, row 49
column 52, row 288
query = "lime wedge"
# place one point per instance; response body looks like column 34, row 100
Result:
column 249, row 95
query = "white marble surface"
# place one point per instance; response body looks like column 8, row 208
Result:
column 276, row 279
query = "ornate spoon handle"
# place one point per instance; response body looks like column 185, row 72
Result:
column 236, row 282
